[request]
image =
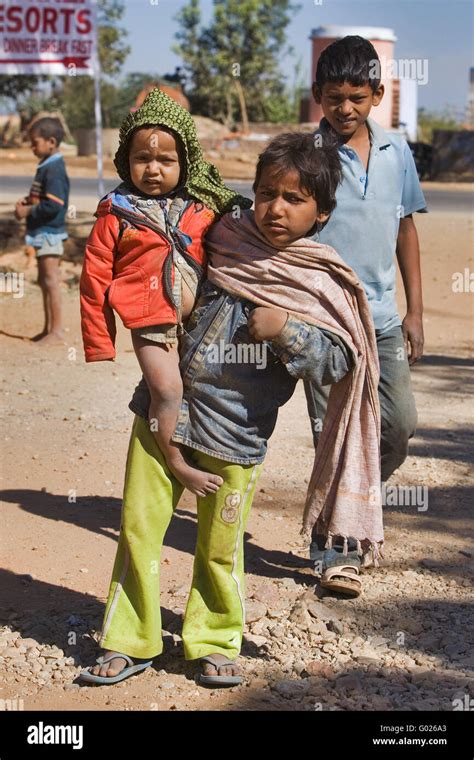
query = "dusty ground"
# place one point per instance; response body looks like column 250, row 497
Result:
column 404, row 645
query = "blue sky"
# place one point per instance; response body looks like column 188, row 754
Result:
column 437, row 30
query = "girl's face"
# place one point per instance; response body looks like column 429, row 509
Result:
column 155, row 161
column 284, row 211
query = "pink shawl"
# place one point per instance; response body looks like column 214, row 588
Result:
column 313, row 283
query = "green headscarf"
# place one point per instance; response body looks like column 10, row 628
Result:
column 201, row 179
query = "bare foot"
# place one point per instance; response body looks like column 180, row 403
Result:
column 197, row 481
column 52, row 339
column 219, row 670
column 110, row 669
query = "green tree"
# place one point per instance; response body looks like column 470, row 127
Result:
column 112, row 48
column 430, row 120
column 77, row 96
column 11, row 87
column 234, row 63
column 202, row 87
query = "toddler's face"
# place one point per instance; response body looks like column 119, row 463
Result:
column 346, row 106
column 284, row 211
column 155, row 161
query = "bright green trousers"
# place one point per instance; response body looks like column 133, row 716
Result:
column 215, row 611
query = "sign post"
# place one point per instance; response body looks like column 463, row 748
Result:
column 56, row 37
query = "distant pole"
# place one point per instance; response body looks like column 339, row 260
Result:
column 98, row 127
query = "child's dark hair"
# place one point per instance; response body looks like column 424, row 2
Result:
column 318, row 165
column 48, row 127
column 352, row 59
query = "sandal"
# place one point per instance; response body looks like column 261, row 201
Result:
column 342, row 579
column 218, row 680
column 85, row 675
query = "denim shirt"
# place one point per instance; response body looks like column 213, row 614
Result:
column 230, row 407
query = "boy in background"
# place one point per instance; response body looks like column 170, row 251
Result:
column 45, row 212
column 372, row 222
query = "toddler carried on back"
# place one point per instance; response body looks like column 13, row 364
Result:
column 145, row 258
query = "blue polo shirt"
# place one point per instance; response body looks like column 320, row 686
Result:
column 363, row 228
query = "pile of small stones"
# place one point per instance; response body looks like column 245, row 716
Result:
column 300, row 652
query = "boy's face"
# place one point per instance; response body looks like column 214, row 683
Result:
column 346, row 106
column 284, row 211
column 42, row 147
column 155, row 161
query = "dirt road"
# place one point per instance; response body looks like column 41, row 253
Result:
column 403, row 645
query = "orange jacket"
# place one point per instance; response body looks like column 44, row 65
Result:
column 128, row 267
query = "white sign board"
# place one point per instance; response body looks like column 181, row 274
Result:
column 48, row 37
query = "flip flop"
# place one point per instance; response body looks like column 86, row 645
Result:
column 85, row 675
column 342, row 579
column 218, row 680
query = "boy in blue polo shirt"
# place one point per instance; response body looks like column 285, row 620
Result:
column 45, row 212
column 372, row 222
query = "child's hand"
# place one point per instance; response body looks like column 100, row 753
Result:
column 265, row 323
column 412, row 327
column 22, row 209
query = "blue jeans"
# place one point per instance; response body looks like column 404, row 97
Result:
column 398, row 423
